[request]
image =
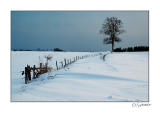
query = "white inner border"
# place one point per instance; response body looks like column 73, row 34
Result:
column 78, row 107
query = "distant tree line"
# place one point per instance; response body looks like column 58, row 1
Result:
column 57, row 49
column 38, row 49
column 132, row 49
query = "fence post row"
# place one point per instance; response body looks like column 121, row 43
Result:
column 44, row 68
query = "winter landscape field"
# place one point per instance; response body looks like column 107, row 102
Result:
column 123, row 76
column 80, row 56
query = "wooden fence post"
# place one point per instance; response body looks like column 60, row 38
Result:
column 65, row 63
column 56, row 65
column 34, row 73
column 40, row 65
column 26, row 75
column 40, row 69
column 29, row 72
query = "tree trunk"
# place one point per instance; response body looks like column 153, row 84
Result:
column 112, row 43
column 112, row 46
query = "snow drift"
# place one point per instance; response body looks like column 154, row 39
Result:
column 121, row 77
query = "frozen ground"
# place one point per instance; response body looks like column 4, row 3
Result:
column 121, row 77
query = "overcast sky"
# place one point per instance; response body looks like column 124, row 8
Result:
column 74, row 30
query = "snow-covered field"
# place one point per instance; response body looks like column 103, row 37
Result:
column 121, row 77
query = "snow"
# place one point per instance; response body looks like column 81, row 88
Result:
column 121, row 77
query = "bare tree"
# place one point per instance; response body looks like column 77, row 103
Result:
column 113, row 27
column 48, row 57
